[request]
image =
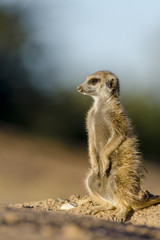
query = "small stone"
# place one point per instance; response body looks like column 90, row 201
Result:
column 74, row 204
column 67, row 206
column 28, row 206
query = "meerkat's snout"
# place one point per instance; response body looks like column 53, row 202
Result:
column 80, row 88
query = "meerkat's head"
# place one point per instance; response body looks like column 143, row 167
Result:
column 100, row 84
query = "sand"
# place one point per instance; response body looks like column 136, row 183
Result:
column 68, row 219
column 80, row 205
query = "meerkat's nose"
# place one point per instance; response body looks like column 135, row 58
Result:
column 80, row 88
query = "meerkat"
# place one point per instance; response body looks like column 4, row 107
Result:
column 114, row 180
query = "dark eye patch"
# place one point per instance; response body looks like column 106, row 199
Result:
column 93, row 81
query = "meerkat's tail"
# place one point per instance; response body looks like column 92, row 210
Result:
column 142, row 203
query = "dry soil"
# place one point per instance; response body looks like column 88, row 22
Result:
column 68, row 219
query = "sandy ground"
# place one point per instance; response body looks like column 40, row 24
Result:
column 50, row 219
column 33, row 168
column 81, row 205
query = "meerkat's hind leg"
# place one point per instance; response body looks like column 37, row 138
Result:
column 100, row 208
column 122, row 215
column 95, row 209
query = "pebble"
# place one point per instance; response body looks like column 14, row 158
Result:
column 67, row 206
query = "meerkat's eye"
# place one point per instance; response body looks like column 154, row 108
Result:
column 93, row 81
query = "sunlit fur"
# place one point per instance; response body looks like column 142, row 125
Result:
column 114, row 180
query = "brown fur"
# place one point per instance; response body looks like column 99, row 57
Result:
column 114, row 180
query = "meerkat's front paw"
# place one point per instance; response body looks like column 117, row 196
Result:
column 96, row 171
column 106, row 172
column 106, row 168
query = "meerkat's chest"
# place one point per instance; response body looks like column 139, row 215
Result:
column 100, row 128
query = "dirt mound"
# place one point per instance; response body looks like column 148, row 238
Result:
column 68, row 219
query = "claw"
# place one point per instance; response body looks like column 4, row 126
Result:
column 122, row 216
column 120, row 219
column 95, row 209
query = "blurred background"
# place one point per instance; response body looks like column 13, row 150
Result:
column 46, row 49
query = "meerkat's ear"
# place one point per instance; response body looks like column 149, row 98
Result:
column 112, row 83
